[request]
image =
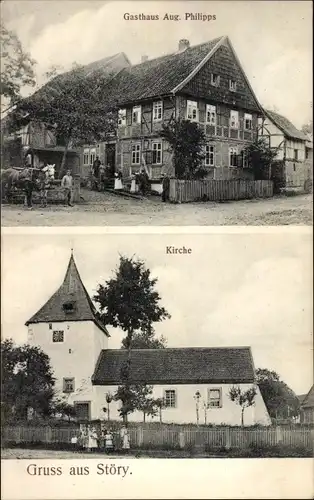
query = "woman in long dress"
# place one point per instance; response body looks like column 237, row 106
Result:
column 108, row 441
column 92, row 439
column 125, row 439
column 118, row 181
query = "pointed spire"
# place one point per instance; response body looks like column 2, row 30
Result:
column 70, row 302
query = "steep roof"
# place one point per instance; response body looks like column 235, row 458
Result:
column 159, row 76
column 177, row 366
column 308, row 401
column 285, row 125
column 72, row 291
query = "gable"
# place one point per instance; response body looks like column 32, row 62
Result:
column 224, row 63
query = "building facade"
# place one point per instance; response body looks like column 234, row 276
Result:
column 205, row 84
column 67, row 328
column 294, row 150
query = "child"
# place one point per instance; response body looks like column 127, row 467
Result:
column 108, row 441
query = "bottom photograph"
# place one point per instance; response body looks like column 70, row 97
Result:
column 170, row 346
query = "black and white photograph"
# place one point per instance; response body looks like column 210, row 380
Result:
column 156, row 249
column 156, row 113
column 130, row 346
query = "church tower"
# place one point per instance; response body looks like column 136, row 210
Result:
column 68, row 330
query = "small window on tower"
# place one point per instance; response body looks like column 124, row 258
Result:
column 69, row 307
column 58, row 336
column 50, row 326
column 68, row 385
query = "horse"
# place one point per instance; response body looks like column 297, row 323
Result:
column 13, row 179
column 46, row 178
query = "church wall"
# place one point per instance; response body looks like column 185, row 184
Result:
column 185, row 412
column 75, row 357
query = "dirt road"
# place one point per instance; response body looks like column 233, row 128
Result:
column 106, row 209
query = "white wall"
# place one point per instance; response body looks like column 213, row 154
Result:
column 291, row 146
column 229, row 413
column 268, row 129
column 75, row 357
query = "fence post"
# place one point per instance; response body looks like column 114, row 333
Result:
column 278, row 435
column 228, row 438
column 140, row 436
column 181, row 439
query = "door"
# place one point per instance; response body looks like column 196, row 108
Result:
column 82, row 410
column 111, row 158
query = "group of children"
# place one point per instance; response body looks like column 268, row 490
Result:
column 91, row 439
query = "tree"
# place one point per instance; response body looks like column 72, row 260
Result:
column 146, row 341
column 129, row 301
column 74, row 103
column 260, row 158
column 109, row 399
column 307, row 128
column 27, row 380
column 280, row 400
column 245, row 399
column 187, row 143
column 16, row 67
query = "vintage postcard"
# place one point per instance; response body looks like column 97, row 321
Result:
column 156, row 285
column 165, row 113
column 124, row 349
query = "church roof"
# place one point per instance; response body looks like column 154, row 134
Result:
column 70, row 302
column 205, row 365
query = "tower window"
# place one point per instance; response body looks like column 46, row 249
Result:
column 50, row 326
column 68, row 385
column 69, row 307
column 58, row 336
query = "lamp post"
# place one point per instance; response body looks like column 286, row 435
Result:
column 197, row 396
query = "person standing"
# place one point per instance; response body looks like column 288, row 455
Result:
column 28, row 184
column 67, row 185
column 96, row 172
column 92, row 439
column 108, row 441
column 125, row 439
column 165, row 188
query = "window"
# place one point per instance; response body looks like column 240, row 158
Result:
column 157, row 111
column 92, row 156
column 68, row 385
column 58, row 336
column 215, row 79
column 211, row 114
column 233, row 157
column 192, row 111
column 68, row 307
column 210, row 156
column 136, row 154
column 307, row 153
column 247, row 121
column 295, row 154
column 136, row 114
column 157, row 153
column 232, row 85
column 170, row 398
column 234, row 119
column 86, row 157
column 122, row 118
column 214, row 398
column 50, row 326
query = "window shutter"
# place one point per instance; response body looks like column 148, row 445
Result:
column 220, row 398
column 129, row 116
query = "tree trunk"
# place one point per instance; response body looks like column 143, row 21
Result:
column 144, row 417
column 108, row 412
column 242, row 417
column 160, row 415
column 128, row 365
column 64, row 157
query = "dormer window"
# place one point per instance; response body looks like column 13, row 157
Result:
column 69, row 307
column 232, row 85
column 215, row 79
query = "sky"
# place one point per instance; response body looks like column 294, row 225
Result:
column 232, row 290
column 273, row 39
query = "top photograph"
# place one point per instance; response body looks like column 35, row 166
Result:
column 174, row 113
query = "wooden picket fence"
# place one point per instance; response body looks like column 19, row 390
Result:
column 182, row 191
column 178, row 438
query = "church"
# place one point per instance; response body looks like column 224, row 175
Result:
column 67, row 328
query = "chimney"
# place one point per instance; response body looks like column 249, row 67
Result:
column 183, row 45
column 144, row 59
